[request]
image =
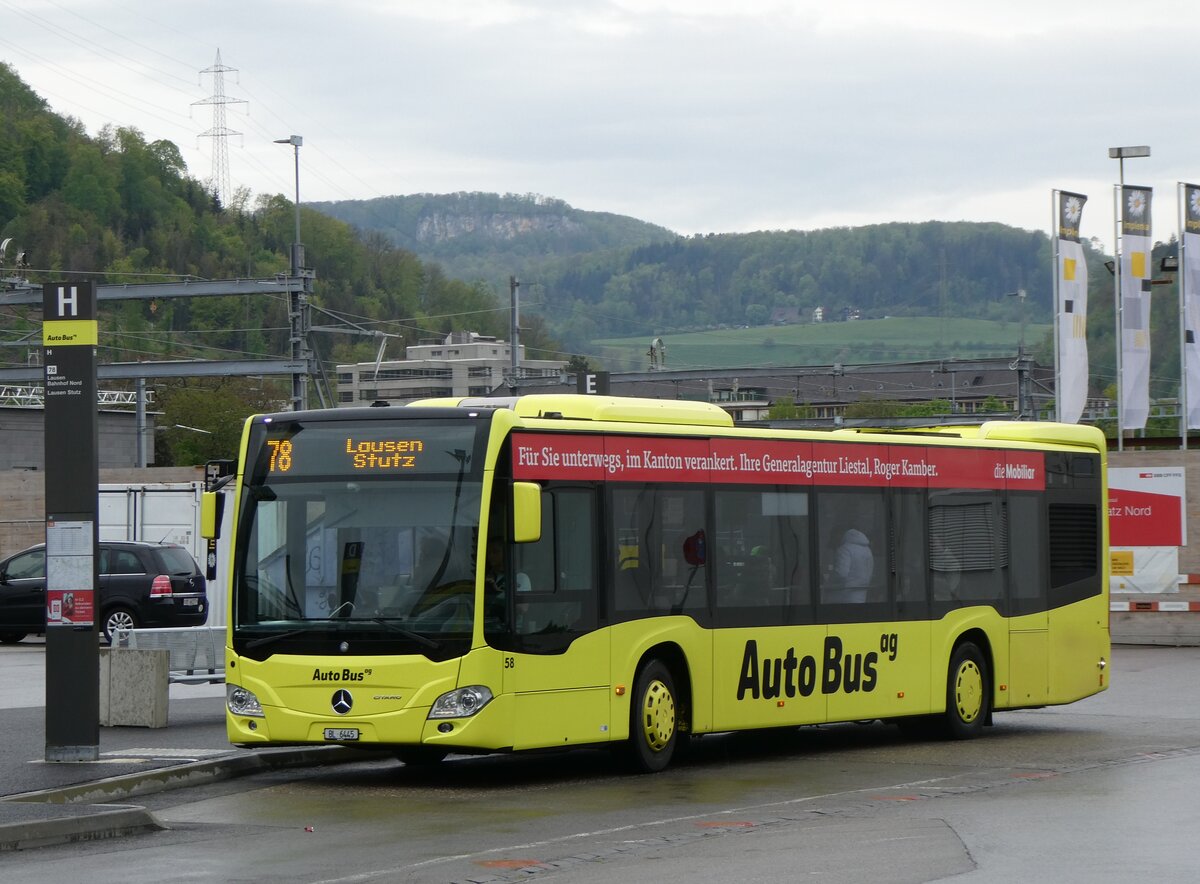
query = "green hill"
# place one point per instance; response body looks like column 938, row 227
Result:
column 590, row 277
column 894, row 339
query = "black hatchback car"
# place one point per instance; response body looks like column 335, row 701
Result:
column 141, row 584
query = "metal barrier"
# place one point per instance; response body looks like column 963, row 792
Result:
column 197, row 652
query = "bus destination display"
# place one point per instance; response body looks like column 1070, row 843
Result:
column 315, row 450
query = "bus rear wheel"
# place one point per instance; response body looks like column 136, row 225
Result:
column 968, row 693
column 653, row 721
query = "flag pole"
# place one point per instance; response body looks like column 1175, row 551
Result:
column 1184, row 417
column 1117, row 192
column 1057, row 258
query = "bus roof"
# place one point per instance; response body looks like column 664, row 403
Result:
column 687, row 413
column 1039, row 432
column 573, row 406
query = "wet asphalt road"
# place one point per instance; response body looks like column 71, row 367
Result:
column 1107, row 789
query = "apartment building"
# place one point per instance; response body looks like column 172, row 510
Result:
column 461, row 364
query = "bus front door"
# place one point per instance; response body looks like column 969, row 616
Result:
column 561, row 699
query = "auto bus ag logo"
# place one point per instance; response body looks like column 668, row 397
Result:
column 343, row 701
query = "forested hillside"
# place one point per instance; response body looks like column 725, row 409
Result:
column 592, row 274
column 668, row 284
column 931, row 269
column 671, row 284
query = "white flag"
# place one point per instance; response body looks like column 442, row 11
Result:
column 1135, row 306
column 1071, row 310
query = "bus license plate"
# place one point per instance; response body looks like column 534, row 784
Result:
column 341, row 734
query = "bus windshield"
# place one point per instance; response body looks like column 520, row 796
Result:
column 358, row 538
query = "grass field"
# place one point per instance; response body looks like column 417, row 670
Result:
column 902, row 339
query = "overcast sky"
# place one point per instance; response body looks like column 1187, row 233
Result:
column 699, row 115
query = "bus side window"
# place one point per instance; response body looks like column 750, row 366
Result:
column 560, row 597
column 968, row 548
column 908, row 554
column 655, row 564
column 631, row 510
column 683, row 582
column 1027, row 553
column 536, row 560
column 761, row 556
column 853, row 551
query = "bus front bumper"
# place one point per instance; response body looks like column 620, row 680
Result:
column 489, row 729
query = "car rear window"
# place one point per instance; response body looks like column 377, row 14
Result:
column 177, row 560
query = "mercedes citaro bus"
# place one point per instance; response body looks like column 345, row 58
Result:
column 557, row 571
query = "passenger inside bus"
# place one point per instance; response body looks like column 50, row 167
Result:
column 853, row 563
column 852, row 568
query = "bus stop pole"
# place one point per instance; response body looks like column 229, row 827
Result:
column 69, row 339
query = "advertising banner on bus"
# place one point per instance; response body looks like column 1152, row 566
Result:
column 550, row 456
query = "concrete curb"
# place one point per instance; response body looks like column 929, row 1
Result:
column 96, row 822
column 82, row 812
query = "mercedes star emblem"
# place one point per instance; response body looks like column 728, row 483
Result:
column 342, row 701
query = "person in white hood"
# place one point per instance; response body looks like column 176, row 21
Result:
column 853, row 562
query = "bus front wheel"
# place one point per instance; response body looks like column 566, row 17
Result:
column 653, row 721
column 968, row 693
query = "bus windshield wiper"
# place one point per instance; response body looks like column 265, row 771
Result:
column 425, row 640
column 392, row 625
column 278, row 636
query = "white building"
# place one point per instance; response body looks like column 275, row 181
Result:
column 464, row 364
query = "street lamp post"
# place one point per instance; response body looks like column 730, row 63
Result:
column 297, row 250
column 297, row 298
column 1121, row 154
column 1021, row 366
column 1020, row 295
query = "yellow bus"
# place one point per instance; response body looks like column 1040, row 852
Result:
column 560, row 571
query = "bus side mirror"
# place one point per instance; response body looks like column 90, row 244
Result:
column 527, row 512
column 212, row 506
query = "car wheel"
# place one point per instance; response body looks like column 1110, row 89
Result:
column 11, row 638
column 118, row 618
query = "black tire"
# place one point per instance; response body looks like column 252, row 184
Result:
column 118, row 618
column 11, row 638
column 421, row 756
column 653, row 722
column 968, row 693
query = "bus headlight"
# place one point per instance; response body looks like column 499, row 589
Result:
column 242, row 702
column 461, row 703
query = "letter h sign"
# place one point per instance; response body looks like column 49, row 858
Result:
column 68, row 301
